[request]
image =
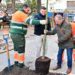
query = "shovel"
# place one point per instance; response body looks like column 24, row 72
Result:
column 7, row 69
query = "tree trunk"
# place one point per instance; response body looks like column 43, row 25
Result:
column 13, row 5
column 38, row 5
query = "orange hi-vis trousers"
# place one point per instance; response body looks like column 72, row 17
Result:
column 19, row 57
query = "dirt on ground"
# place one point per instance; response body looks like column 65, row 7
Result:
column 22, row 71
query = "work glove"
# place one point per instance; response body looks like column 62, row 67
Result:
column 43, row 22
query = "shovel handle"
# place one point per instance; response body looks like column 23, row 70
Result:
column 7, row 49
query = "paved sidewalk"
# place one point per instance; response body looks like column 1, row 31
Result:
column 4, row 63
column 52, row 53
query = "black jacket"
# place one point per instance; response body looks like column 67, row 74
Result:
column 39, row 29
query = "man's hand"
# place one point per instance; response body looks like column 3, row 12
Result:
column 43, row 22
column 1, row 20
column 45, row 31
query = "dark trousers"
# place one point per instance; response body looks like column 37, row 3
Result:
column 19, row 49
column 19, row 42
column 69, row 57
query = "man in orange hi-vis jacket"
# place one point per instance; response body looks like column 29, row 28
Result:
column 18, row 29
column 73, row 34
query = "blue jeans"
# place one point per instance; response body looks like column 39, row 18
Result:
column 69, row 57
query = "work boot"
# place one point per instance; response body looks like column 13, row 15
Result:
column 16, row 63
column 21, row 65
column 57, row 67
column 68, row 70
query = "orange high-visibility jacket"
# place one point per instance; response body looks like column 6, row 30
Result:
column 17, row 23
column 73, row 28
column 19, row 16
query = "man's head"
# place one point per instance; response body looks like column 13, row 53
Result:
column 58, row 18
column 43, row 10
column 26, row 9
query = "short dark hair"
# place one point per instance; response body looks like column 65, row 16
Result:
column 58, row 13
column 42, row 7
column 25, row 6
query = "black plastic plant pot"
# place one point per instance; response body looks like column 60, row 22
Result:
column 42, row 65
